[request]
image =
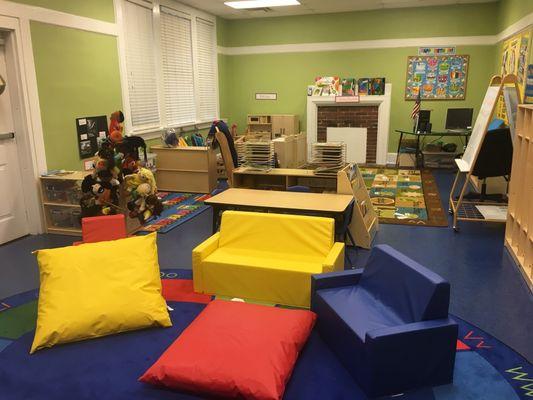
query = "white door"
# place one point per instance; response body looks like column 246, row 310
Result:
column 13, row 219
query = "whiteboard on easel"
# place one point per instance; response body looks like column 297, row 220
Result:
column 511, row 106
column 465, row 164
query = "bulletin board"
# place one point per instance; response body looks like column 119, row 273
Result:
column 514, row 60
column 437, row 77
column 91, row 131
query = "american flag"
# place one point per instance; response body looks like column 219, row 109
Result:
column 416, row 106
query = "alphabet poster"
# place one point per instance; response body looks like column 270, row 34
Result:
column 437, row 77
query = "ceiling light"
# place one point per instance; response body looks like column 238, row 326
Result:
column 261, row 3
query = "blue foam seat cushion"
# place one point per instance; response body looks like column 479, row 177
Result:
column 359, row 309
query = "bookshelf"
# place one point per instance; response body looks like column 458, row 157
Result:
column 519, row 228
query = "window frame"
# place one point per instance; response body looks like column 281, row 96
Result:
column 192, row 13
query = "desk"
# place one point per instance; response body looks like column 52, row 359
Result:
column 321, row 204
column 282, row 178
column 461, row 134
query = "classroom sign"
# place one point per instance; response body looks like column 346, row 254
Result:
column 436, row 77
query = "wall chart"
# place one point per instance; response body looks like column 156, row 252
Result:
column 437, row 77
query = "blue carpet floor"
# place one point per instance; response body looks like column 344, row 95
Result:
column 487, row 289
column 108, row 368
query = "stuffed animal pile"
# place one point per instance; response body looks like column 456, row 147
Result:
column 118, row 161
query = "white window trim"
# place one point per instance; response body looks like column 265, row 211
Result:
column 154, row 132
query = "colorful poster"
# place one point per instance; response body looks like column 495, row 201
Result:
column 514, row 59
column 528, row 98
column 436, row 51
column 327, row 86
column 437, row 78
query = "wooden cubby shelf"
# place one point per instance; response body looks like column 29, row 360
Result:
column 519, row 229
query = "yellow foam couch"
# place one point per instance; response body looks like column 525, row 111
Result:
column 266, row 257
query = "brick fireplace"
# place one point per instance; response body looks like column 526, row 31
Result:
column 346, row 116
column 370, row 112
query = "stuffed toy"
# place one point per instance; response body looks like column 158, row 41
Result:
column 169, row 138
column 116, row 127
column 117, row 161
column 99, row 195
column 144, row 202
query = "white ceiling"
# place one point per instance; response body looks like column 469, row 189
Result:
column 217, row 7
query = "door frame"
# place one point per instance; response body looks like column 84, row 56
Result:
column 28, row 127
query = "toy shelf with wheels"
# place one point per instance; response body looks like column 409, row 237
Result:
column 60, row 200
column 519, row 228
column 60, row 196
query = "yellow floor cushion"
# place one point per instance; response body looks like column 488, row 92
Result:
column 97, row 289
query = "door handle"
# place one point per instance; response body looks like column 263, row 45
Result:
column 7, row 136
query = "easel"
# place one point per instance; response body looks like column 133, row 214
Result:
column 364, row 223
column 468, row 161
column 226, row 155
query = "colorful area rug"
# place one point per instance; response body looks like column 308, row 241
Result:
column 405, row 196
column 178, row 208
column 108, row 367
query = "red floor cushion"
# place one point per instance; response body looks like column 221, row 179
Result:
column 182, row 290
column 235, row 350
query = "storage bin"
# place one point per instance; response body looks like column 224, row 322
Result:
column 439, row 159
column 61, row 218
column 75, row 219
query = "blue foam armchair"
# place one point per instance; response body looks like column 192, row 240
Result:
column 388, row 324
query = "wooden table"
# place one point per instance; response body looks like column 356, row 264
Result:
column 318, row 204
column 419, row 156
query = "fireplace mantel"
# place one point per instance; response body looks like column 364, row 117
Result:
column 384, row 106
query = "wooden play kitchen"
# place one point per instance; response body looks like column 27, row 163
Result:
column 273, row 126
column 186, row 169
column 519, row 229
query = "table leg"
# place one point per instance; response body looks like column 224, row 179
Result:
column 216, row 212
column 398, row 151
column 417, row 151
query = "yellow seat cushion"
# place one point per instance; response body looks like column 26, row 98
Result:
column 267, row 259
column 97, row 289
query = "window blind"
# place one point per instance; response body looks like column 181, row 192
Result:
column 141, row 65
column 207, row 74
column 177, row 66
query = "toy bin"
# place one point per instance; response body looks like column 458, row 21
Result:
column 75, row 218
column 55, row 193
column 74, row 194
column 61, row 218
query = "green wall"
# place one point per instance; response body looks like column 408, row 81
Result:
column 289, row 74
column 77, row 76
column 455, row 20
column 510, row 11
column 97, row 9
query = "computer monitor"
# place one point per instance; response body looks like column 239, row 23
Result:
column 423, row 125
column 459, row 118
